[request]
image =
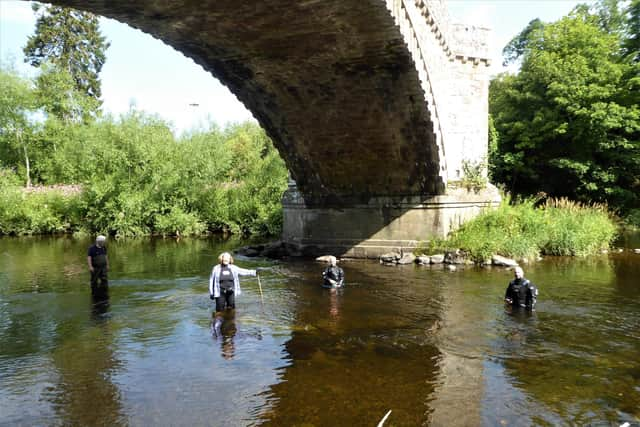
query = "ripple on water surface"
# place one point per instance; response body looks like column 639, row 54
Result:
column 436, row 347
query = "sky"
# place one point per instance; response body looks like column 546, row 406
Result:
column 144, row 72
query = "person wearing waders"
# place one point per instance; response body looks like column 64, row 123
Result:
column 224, row 286
column 98, row 266
column 521, row 293
column 333, row 275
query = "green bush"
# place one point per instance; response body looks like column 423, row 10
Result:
column 522, row 230
column 41, row 212
column 632, row 219
column 177, row 222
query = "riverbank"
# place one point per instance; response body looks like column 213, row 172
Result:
column 526, row 230
column 130, row 177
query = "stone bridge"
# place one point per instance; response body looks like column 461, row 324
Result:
column 374, row 106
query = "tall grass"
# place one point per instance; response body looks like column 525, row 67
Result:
column 523, row 231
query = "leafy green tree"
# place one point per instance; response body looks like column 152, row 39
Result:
column 516, row 47
column 17, row 104
column 71, row 41
column 567, row 125
column 632, row 41
column 58, row 95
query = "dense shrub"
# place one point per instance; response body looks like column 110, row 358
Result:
column 522, row 230
column 36, row 213
column 138, row 179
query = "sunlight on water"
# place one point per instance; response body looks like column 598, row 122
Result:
column 435, row 347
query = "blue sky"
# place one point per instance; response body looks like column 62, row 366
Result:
column 158, row 79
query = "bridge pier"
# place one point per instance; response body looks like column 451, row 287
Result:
column 383, row 224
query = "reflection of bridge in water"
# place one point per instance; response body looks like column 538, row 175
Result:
column 374, row 106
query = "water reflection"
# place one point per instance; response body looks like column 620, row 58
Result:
column 85, row 363
column 99, row 303
column 224, row 329
column 435, row 347
column 335, row 296
column 356, row 352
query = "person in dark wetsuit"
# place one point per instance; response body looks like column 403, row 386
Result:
column 98, row 266
column 333, row 275
column 521, row 293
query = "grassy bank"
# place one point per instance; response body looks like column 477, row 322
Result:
column 524, row 231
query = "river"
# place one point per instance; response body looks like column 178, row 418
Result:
column 436, row 347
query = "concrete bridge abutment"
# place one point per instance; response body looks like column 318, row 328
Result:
column 379, row 225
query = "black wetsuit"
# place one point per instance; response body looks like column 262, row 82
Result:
column 334, row 273
column 99, row 281
column 227, row 298
column 522, row 293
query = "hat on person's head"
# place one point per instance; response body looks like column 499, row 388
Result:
column 101, row 238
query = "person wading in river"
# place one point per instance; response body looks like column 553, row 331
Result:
column 333, row 275
column 98, row 266
column 521, row 293
column 224, row 285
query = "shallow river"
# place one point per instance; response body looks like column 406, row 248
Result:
column 433, row 346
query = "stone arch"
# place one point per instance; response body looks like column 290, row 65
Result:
column 333, row 83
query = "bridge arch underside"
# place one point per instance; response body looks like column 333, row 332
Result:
column 332, row 82
column 334, row 85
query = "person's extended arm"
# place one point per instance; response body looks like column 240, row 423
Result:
column 244, row 272
column 89, row 262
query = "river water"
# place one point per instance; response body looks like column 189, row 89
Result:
column 435, row 347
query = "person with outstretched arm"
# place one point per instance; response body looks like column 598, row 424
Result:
column 521, row 293
column 224, row 282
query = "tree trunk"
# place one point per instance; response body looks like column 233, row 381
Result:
column 26, row 158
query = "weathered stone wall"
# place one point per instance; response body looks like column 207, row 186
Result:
column 455, row 59
column 383, row 224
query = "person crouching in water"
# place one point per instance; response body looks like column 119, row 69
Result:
column 333, row 275
column 224, row 284
column 521, row 293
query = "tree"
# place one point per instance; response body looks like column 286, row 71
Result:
column 632, row 42
column 567, row 124
column 58, row 95
column 71, row 41
column 516, row 47
column 16, row 106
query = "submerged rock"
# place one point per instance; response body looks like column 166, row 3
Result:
column 503, row 261
column 437, row 259
column 407, row 258
column 455, row 257
column 390, row 258
column 423, row 260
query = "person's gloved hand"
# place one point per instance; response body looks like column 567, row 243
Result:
column 212, row 297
